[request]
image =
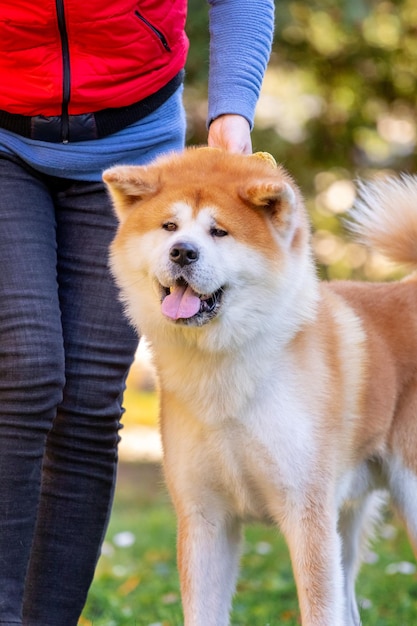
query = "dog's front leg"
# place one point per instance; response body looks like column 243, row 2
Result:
column 315, row 549
column 208, row 561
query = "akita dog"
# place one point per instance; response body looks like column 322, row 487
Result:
column 283, row 398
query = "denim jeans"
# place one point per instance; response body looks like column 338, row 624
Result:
column 65, row 350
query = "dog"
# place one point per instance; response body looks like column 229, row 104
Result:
column 284, row 399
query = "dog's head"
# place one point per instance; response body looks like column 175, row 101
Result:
column 206, row 237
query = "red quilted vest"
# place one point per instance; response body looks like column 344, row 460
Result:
column 91, row 54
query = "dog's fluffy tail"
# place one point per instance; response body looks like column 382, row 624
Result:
column 384, row 218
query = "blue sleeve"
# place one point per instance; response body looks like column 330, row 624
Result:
column 241, row 33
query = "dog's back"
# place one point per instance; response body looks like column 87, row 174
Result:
column 385, row 219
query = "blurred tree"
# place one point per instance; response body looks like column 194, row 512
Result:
column 339, row 102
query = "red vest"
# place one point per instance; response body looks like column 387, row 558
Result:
column 92, row 55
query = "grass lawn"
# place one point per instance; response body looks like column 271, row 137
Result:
column 136, row 582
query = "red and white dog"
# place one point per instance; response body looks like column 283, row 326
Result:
column 283, row 398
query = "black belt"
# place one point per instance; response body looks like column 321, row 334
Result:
column 87, row 125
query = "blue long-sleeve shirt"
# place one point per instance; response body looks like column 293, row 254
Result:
column 240, row 42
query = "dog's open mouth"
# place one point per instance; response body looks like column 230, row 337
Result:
column 182, row 304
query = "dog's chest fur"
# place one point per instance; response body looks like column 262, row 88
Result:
column 258, row 443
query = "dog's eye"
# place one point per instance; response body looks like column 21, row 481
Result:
column 169, row 226
column 218, row 232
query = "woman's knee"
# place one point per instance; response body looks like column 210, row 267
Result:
column 32, row 378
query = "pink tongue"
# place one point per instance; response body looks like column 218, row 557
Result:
column 182, row 302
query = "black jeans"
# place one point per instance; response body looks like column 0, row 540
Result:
column 65, row 350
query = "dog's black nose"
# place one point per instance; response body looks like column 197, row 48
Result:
column 184, row 253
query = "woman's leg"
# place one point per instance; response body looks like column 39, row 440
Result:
column 31, row 366
column 80, row 460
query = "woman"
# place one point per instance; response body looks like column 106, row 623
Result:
column 84, row 86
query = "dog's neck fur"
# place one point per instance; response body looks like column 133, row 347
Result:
column 182, row 353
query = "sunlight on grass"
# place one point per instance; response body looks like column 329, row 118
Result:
column 141, row 400
column 140, row 439
column 142, row 407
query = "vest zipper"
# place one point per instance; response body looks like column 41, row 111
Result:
column 66, row 82
column 155, row 30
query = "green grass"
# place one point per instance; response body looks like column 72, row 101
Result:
column 137, row 585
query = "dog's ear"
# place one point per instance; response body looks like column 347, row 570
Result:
column 277, row 198
column 128, row 185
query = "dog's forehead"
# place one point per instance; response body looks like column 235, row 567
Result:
column 187, row 212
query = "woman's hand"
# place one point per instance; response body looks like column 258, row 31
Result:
column 231, row 133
